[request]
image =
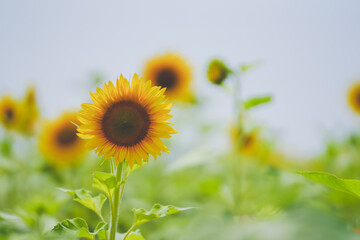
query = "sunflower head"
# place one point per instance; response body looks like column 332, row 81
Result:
column 171, row 72
column 127, row 122
column 59, row 142
column 10, row 112
column 217, row 72
column 245, row 142
column 354, row 97
column 249, row 142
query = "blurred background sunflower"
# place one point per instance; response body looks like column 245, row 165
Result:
column 217, row 71
column 10, row 112
column 59, row 142
column 172, row 72
column 354, row 97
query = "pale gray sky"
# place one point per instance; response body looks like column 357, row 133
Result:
column 310, row 54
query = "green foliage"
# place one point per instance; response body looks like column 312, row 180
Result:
column 157, row 211
column 79, row 228
column 84, row 197
column 350, row 186
column 136, row 235
column 225, row 185
column 106, row 182
column 76, row 226
column 6, row 147
column 253, row 102
column 11, row 222
column 101, row 230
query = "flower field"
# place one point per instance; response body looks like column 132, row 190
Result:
column 171, row 146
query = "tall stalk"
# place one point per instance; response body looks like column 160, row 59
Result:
column 116, row 199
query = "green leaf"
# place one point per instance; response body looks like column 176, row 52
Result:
column 133, row 235
column 75, row 226
column 6, row 147
column 79, row 228
column 12, row 221
column 350, row 186
column 105, row 182
column 136, row 235
column 100, row 230
column 84, row 197
column 101, row 226
column 157, row 211
column 249, row 66
column 252, row 102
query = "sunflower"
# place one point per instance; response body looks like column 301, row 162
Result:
column 126, row 122
column 171, row 72
column 249, row 143
column 59, row 142
column 245, row 142
column 217, row 71
column 354, row 97
column 9, row 112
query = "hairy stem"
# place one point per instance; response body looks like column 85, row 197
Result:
column 115, row 202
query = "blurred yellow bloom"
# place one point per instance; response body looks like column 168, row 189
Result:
column 250, row 143
column 354, row 97
column 59, row 142
column 245, row 142
column 217, row 71
column 30, row 97
column 30, row 112
column 9, row 112
column 127, row 122
column 173, row 73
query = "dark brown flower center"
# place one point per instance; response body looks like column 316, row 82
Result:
column 166, row 78
column 9, row 114
column 221, row 74
column 248, row 141
column 358, row 99
column 67, row 136
column 125, row 123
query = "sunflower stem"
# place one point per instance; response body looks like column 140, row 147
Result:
column 115, row 203
column 237, row 97
column 239, row 172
